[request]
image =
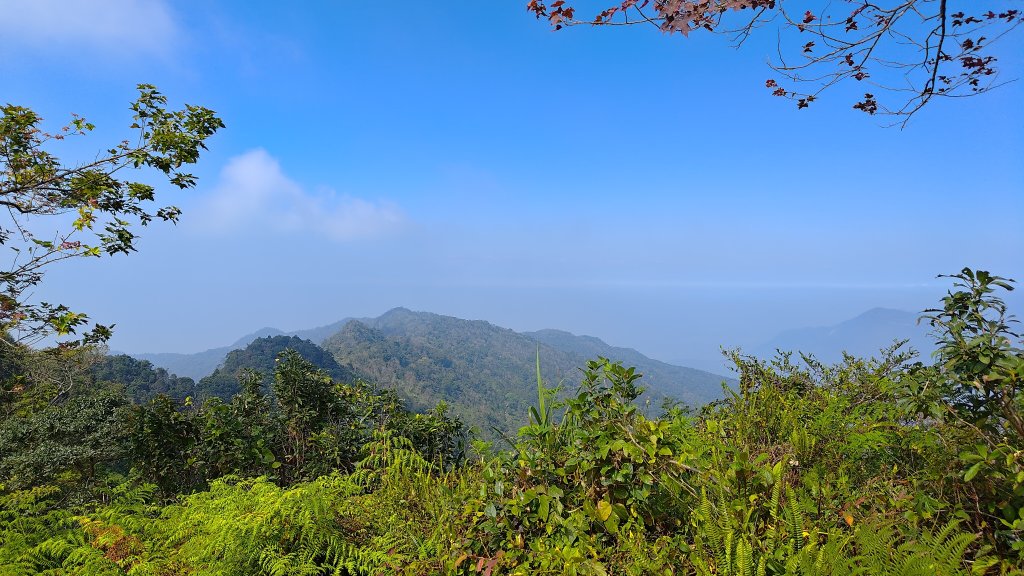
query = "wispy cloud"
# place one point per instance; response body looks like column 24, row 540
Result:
column 254, row 194
column 110, row 26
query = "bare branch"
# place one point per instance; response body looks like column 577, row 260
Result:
column 903, row 46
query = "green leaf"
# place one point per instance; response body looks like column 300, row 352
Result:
column 612, row 523
column 544, row 509
column 972, row 472
column 620, row 511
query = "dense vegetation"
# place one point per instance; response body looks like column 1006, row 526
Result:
column 484, row 372
column 261, row 355
column 199, row 365
column 881, row 466
column 141, row 379
column 481, row 371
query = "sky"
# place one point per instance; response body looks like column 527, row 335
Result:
column 463, row 158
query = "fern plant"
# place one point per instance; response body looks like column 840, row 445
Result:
column 882, row 549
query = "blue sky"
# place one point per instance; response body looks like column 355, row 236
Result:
column 464, row 159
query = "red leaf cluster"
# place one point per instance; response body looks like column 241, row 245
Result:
column 868, row 104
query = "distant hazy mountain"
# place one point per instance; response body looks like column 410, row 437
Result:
column 261, row 333
column 321, row 333
column 193, row 366
column 687, row 384
column 862, row 336
column 484, row 372
column 487, row 373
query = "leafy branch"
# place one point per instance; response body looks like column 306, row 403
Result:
column 37, row 190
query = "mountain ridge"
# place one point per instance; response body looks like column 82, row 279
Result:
column 486, row 373
column 864, row 335
column 200, row 364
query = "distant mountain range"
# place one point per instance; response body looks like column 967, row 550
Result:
column 667, row 379
column 485, row 373
column 863, row 336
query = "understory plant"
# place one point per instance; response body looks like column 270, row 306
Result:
column 869, row 466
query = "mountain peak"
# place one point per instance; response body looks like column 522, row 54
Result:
column 487, row 373
column 864, row 335
column 354, row 329
column 261, row 355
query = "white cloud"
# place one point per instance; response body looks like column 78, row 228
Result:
column 254, row 194
column 123, row 26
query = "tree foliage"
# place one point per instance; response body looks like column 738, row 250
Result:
column 869, row 466
column 261, row 355
column 142, row 380
column 56, row 211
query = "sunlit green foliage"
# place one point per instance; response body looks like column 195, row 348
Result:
column 71, row 443
column 882, row 466
column 59, row 210
column 485, row 373
column 261, row 356
column 141, row 379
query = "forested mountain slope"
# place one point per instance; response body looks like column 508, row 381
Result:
column 261, row 355
column 487, row 373
column 141, row 379
column 689, row 385
column 452, row 341
column 487, row 378
column 484, row 372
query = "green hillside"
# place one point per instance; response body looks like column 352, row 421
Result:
column 487, row 373
column 484, row 372
column 692, row 386
column 260, row 355
column 923, row 477
column 485, row 385
column 142, row 380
